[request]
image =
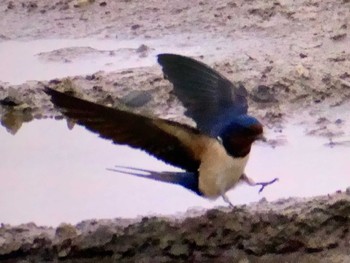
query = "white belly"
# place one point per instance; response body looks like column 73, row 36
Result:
column 219, row 172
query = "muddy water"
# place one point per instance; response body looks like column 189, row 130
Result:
column 31, row 60
column 45, row 59
column 50, row 174
column 27, row 65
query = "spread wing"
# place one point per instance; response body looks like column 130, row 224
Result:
column 209, row 98
column 169, row 141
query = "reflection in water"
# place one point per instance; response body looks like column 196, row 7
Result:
column 50, row 174
column 13, row 118
column 14, row 112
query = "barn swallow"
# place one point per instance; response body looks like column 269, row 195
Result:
column 213, row 155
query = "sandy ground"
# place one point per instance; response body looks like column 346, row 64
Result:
column 293, row 57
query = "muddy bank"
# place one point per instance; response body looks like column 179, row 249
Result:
column 290, row 55
column 129, row 19
column 308, row 230
column 321, row 104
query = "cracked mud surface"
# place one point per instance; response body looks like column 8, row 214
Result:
column 292, row 56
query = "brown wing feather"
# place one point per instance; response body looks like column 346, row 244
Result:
column 160, row 138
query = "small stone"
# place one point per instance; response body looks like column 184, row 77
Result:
column 322, row 120
column 2, row 241
column 134, row 27
column 338, row 36
column 302, row 71
column 82, row 3
column 31, row 6
column 179, row 250
column 339, row 121
column 166, row 240
column 142, row 48
column 97, row 88
column 63, row 253
column 136, row 98
column 347, row 191
column 90, row 77
column 345, row 75
column 65, row 231
column 10, row 5
column 233, row 225
column 263, row 200
column 263, row 94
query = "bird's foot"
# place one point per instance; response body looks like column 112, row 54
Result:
column 225, row 198
column 263, row 184
column 251, row 182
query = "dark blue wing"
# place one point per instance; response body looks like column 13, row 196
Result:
column 209, row 98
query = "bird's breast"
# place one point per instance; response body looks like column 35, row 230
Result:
column 219, row 172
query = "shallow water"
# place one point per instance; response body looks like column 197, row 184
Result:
column 50, row 174
column 23, row 62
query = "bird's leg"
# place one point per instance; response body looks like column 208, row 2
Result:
column 227, row 200
column 251, row 182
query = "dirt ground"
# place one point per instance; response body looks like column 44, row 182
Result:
column 294, row 59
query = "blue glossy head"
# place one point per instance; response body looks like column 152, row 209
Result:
column 244, row 126
column 240, row 133
column 246, row 121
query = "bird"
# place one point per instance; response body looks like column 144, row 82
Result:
column 212, row 155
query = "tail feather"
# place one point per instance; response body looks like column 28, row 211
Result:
column 188, row 180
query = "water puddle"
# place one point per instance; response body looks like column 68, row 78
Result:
column 46, row 59
column 50, row 174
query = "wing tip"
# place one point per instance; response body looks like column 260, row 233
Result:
column 171, row 57
column 164, row 56
column 48, row 90
column 51, row 92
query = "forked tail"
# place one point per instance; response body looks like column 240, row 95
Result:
column 188, row 180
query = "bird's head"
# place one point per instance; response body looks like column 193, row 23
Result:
column 239, row 135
